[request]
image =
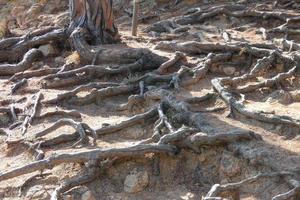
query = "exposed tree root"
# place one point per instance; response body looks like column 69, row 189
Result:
column 164, row 67
column 18, row 85
column 9, row 42
column 62, row 113
column 261, row 65
column 194, row 48
column 86, row 156
column 31, row 56
column 33, row 148
column 11, row 112
column 28, row 120
column 293, row 193
column 82, row 128
column 140, row 118
column 233, row 188
column 177, row 124
column 34, row 73
column 26, row 184
column 92, row 71
column 93, row 170
column 116, row 54
column 71, row 94
column 260, row 116
column 96, row 96
column 233, row 11
column 268, row 82
column 16, row 52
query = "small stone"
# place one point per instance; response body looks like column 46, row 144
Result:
column 229, row 71
column 136, row 182
column 47, row 50
column 88, row 195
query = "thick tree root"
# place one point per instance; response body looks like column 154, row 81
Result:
column 82, row 128
column 62, row 113
column 93, row 71
column 137, row 119
column 196, row 48
column 239, row 107
column 16, row 52
column 164, row 67
column 92, row 171
column 96, row 96
column 116, row 54
column 233, row 11
column 34, row 73
column 33, row 149
column 268, row 82
column 261, row 65
column 31, row 56
column 71, row 94
column 85, row 156
column 9, row 42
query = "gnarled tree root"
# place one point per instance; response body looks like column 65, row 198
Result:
column 29, row 119
column 71, row 94
column 91, row 172
column 17, row 51
column 233, row 188
column 117, row 54
column 85, row 156
column 82, row 128
column 260, row 116
column 31, row 56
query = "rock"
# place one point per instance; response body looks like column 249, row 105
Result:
column 47, row 50
column 88, row 195
column 229, row 71
column 136, row 182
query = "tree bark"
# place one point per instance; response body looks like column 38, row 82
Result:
column 97, row 17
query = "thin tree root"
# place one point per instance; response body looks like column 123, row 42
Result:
column 233, row 188
column 29, row 119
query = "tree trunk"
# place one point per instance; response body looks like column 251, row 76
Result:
column 96, row 16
